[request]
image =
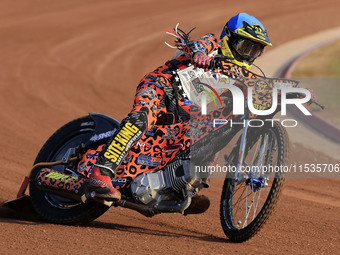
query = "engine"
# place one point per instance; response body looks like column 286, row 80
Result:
column 152, row 187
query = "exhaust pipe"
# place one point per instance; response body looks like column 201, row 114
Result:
column 166, row 206
column 68, row 186
column 74, row 187
column 64, row 185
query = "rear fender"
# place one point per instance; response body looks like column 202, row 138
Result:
column 105, row 127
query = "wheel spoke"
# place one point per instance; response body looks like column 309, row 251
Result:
column 255, row 153
column 258, row 202
column 248, row 203
column 261, row 152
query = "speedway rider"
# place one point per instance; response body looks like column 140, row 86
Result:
column 243, row 39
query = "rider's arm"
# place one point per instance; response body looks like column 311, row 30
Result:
column 206, row 44
column 199, row 50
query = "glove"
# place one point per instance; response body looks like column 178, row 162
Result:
column 312, row 98
column 201, row 60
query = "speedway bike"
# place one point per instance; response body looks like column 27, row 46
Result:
column 160, row 173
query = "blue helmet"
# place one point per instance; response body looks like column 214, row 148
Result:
column 243, row 38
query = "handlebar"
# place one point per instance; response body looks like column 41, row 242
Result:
column 218, row 58
column 299, row 95
column 321, row 106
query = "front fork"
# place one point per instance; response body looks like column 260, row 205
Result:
column 240, row 157
column 241, row 154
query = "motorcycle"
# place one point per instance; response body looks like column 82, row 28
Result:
column 159, row 174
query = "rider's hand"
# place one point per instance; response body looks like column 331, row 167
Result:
column 312, row 98
column 201, row 60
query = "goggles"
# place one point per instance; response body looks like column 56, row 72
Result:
column 247, row 49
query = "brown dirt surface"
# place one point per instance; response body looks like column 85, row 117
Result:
column 62, row 59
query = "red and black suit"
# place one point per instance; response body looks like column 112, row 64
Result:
column 156, row 100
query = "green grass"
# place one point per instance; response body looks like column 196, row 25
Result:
column 324, row 62
column 320, row 71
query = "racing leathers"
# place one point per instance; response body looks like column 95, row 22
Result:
column 156, row 101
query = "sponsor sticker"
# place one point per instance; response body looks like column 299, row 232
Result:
column 149, row 160
column 119, row 181
column 102, row 135
column 126, row 136
column 151, row 132
column 147, row 92
column 172, row 148
column 144, row 145
column 61, row 177
column 140, row 102
column 171, row 134
column 280, row 85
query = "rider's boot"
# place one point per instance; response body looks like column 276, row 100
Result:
column 131, row 129
column 199, row 204
column 100, row 182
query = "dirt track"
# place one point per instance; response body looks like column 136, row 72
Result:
column 62, row 59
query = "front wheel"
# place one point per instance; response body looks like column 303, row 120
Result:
column 250, row 197
column 57, row 209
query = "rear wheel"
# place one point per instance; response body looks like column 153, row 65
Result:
column 248, row 199
column 57, row 209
